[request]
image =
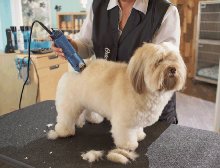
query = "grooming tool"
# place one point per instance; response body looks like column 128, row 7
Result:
column 69, row 51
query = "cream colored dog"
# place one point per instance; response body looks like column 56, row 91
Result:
column 131, row 96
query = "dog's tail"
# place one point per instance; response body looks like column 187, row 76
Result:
column 116, row 155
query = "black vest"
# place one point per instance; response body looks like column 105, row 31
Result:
column 139, row 28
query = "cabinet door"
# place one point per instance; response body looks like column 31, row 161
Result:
column 46, row 61
column 48, row 80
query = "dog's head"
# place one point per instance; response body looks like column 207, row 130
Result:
column 157, row 67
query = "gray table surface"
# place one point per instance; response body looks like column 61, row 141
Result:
column 23, row 143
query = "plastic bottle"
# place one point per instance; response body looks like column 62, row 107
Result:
column 24, row 37
column 15, row 41
column 20, row 40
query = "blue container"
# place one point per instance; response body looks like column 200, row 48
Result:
column 40, row 44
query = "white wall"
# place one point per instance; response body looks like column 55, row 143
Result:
column 217, row 108
column 1, row 36
column 16, row 12
column 5, row 19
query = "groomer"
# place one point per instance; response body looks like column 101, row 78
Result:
column 113, row 30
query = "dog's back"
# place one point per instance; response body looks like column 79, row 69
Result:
column 96, row 84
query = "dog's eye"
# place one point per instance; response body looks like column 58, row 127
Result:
column 161, row 60
column 158, row 62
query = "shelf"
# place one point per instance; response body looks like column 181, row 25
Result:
column 67, row 29
column 210, row 12
column 210, row 22
column 71, row 13
column 207, row 41
column 70, row 21
column 208, row 52
column 210, row 31
column 204, row 79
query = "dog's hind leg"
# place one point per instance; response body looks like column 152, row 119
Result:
column 67, row 106
column 66, row 120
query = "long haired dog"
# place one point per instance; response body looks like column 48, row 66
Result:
column 131, row 96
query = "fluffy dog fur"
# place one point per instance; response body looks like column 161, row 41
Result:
column 131, row 96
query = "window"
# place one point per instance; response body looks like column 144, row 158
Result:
column 24, row 12
column 36, row 10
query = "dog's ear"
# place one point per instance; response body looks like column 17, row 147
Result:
column 136, row 68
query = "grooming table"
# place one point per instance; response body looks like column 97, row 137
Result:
column 23, row 143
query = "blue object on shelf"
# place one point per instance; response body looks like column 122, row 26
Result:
column 40, row 44
column 22, row 65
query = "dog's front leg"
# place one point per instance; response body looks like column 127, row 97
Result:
column 140, row 134
column 125, row 138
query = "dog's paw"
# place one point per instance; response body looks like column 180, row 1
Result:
column 52, row 135
column 140, row 135
column 117, row 158
column 60, row 131
column 128, row 145
column 121, row 156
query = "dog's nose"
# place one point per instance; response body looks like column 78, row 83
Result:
column 172, row 70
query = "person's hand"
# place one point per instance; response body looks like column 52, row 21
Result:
column 59, row 51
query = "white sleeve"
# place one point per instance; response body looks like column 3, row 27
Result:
column 83, row 39
column 169, row 30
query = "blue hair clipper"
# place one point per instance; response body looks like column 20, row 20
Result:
column 70, row 53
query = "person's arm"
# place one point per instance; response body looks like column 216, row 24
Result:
column 169, row 30
column 82, row 41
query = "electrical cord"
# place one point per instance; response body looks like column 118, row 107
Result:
column 37, row 75
column 29, row 57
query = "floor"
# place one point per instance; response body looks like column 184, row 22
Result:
column 201, row 90
column 196, row 105
column 195, row 112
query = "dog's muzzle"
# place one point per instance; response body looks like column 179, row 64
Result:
column 171, row 71
column 169, row 78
